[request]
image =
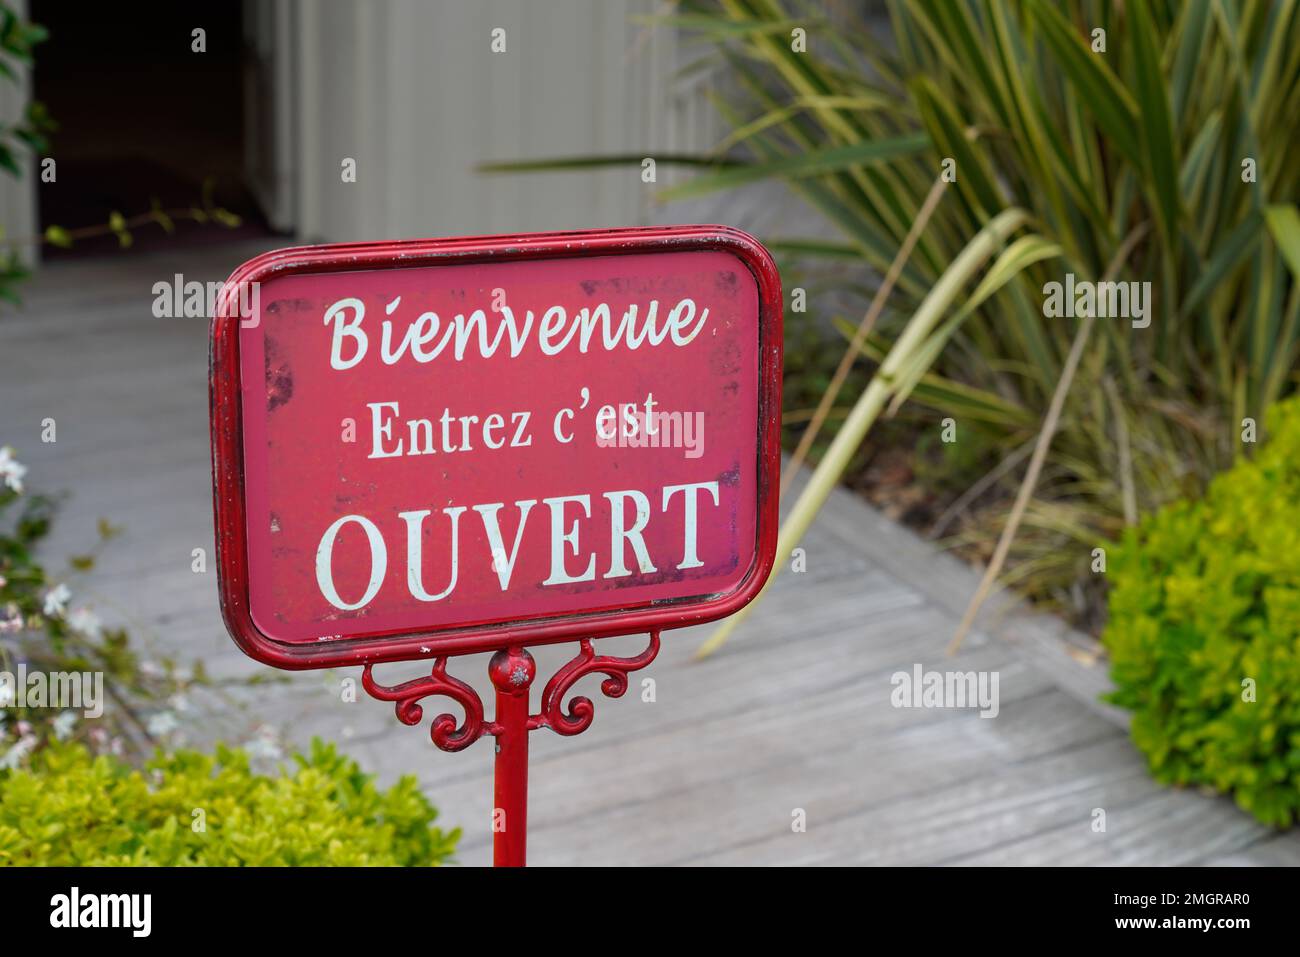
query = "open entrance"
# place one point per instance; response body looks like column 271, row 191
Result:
column 145, row 118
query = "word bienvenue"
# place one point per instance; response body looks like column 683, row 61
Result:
column 426, row 338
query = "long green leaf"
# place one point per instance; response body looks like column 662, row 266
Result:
column 562, row 164
column 1233, row 250
column 1098, row 87
column 803, row 165
column 1154, row 123
column 865, row 411
column 1284, row 225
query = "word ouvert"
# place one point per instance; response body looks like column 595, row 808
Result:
column 630, row 513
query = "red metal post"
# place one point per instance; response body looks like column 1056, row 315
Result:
column 512, row 671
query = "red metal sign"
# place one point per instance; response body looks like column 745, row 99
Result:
column 432, row 448
column 436, row 447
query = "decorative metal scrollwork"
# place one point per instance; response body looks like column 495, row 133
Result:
column 581, row 711
column 450, row 736
column 445, row 732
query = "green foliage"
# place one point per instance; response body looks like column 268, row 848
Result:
column 17, row 38
column 46, row 626
column 74, row 809
column 810, row 361
column 1205, row 628
column 68, row 798
column 1174, row 130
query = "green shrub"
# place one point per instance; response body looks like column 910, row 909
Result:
column 1204, row 630
column 72, row 808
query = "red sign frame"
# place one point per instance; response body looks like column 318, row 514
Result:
column 229, row 492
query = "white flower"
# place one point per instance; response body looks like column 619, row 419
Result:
column 86, row 621
column 152, row 669
column 7, row 695
column 11, row 618
column 264, row 745
column 11, row 470
column 15, row 755
column 56, row 601
column 162, row 724
column 63, row 724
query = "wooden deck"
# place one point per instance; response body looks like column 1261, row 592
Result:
column 794, row 714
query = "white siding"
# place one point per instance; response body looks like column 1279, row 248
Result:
column 18, row 193
column 411, row 90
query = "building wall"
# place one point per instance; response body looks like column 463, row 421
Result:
column 18, row 193
column 411, row 90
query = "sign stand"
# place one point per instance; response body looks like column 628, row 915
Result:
column 428, row 449
column 512, row 671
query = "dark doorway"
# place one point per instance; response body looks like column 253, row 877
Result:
column 143, row 118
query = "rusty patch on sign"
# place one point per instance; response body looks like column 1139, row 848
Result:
column 279, row 378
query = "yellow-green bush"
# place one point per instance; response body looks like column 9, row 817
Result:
column 1204, row 631
column 70, row 808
